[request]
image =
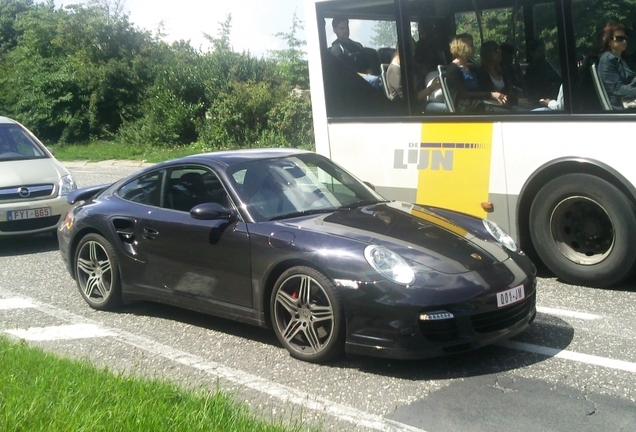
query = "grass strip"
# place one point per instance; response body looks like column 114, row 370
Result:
column 103, row 150
column 42, row 392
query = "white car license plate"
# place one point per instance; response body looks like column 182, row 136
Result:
column 29, row 214
column 510, row 296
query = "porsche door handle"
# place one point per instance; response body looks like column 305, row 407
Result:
column 150, row 233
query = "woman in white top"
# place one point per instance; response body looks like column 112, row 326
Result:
column 394, row 84
column 489, row 75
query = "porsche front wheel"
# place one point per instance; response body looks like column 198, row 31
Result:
column 306, row 313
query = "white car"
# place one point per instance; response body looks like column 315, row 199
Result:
column 33, row 184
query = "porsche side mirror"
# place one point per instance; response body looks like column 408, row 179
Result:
column 212, row 211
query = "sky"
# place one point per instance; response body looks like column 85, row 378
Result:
column 254, row 22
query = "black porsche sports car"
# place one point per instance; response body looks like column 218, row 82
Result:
column 288, row 239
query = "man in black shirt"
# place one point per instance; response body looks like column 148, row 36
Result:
column 351, row 52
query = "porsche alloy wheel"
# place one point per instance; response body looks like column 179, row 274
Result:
column 307, row 315
column 97, row 272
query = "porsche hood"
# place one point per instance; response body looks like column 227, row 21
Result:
column 417, row 233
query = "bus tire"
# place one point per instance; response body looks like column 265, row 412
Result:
column 583, row 229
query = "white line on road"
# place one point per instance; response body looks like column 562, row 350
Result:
column 15, row 303
column 569, row 314
column 247, row 380
column 571, row 355
column 65, row 332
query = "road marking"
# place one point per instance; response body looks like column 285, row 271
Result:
column 15, row 303
column 65, row 332
column 571, row 355
column 283, row 393
column 569, row 314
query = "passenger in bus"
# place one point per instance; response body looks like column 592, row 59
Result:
column 510, row 68
column 541, row 79
column 492, row 79
column 430, row 50
column 394, row 83
column 352, row 52
column 462, row 79
column 619, row 80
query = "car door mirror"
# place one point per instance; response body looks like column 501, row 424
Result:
column 212, row 211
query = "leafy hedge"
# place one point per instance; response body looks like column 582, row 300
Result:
column 85, row 72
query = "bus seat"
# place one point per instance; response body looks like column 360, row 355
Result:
column 437, row 95
column 587, row 97
column 385, row 84
column 448, row 98
column 601, row 92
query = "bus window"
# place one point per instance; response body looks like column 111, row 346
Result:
column 588, row 22
column 516, row 53
column 355, row 60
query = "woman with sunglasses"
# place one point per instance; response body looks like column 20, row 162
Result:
column 619, row 80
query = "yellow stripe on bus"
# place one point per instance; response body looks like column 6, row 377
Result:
column 454, row 166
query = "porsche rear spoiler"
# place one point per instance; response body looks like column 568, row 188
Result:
column 86, row 193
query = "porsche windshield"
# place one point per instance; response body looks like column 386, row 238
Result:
column 297, row 185
column 16, row 144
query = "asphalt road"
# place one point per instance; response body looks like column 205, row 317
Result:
column 573, row 370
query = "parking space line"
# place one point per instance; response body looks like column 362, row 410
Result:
column 569, row 314
column 253, row 382
column 571, row 355
column 64, row 332
column 15, row 303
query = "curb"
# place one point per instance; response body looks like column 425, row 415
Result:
column 107, row 163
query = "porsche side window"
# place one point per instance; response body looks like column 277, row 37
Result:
column 191, row 186
column 143, row 190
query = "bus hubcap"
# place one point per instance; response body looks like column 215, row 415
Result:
column 582, row 230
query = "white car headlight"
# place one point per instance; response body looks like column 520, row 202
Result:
column 500, row 235
column 389, row 264
column 67, row 185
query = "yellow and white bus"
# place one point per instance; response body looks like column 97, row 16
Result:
column 561, row 181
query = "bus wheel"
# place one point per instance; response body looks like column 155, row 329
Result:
column 583, row 229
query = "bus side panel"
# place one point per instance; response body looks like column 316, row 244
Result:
column 530, row 145
column 381, row 153
column 318, row 105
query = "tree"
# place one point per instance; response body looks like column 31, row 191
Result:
column 291, row 62
column 9, row 11
column 385, row 34
column 76, row 72
column 221, row 43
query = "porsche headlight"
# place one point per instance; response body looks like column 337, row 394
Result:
column 389, row 264
column 67, row 185
column 500, row 235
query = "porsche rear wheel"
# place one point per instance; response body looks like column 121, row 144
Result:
column 307, row 317
column 97, row 273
